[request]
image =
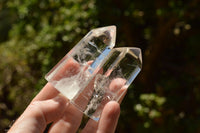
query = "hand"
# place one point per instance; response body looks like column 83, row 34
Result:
column 51, row 107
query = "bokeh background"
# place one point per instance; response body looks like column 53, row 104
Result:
column 165, row 97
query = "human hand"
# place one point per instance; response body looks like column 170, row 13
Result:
column 51, row 107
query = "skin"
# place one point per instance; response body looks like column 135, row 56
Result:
column 49, row 106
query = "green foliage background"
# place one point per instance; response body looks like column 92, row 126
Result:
column 165, row 97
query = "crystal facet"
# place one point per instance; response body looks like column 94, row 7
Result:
column 93, row 73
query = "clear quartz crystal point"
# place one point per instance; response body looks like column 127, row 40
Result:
column 120, row 68
column 72, row 74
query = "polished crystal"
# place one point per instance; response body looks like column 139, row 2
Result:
column 70, row 76
column 94, row 73
column 121, row 67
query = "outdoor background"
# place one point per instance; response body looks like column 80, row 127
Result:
column 164, row 98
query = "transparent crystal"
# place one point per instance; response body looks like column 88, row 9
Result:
column 92, row 73
column 121, row 67
column 69, row 75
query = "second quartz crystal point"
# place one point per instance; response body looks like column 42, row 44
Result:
column 121, row 67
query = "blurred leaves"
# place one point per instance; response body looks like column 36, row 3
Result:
column 149, row 107
column 35, row 35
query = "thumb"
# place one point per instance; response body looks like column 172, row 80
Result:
column 38, row 114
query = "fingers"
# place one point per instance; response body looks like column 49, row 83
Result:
column 122, row 93
column 90, row 127
column 47, row 92
column 118, row 87
column 69, row 122
column 68, row 69
column 116, row 84
column 51, row 109
column 71, row 119
column 108, row 120
column 38, row 114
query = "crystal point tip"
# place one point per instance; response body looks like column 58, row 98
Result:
column 109, row 31
column 113, row 30
column 138, row 53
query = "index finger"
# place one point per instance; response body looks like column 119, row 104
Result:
column 71, row 67
column 47, row 92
